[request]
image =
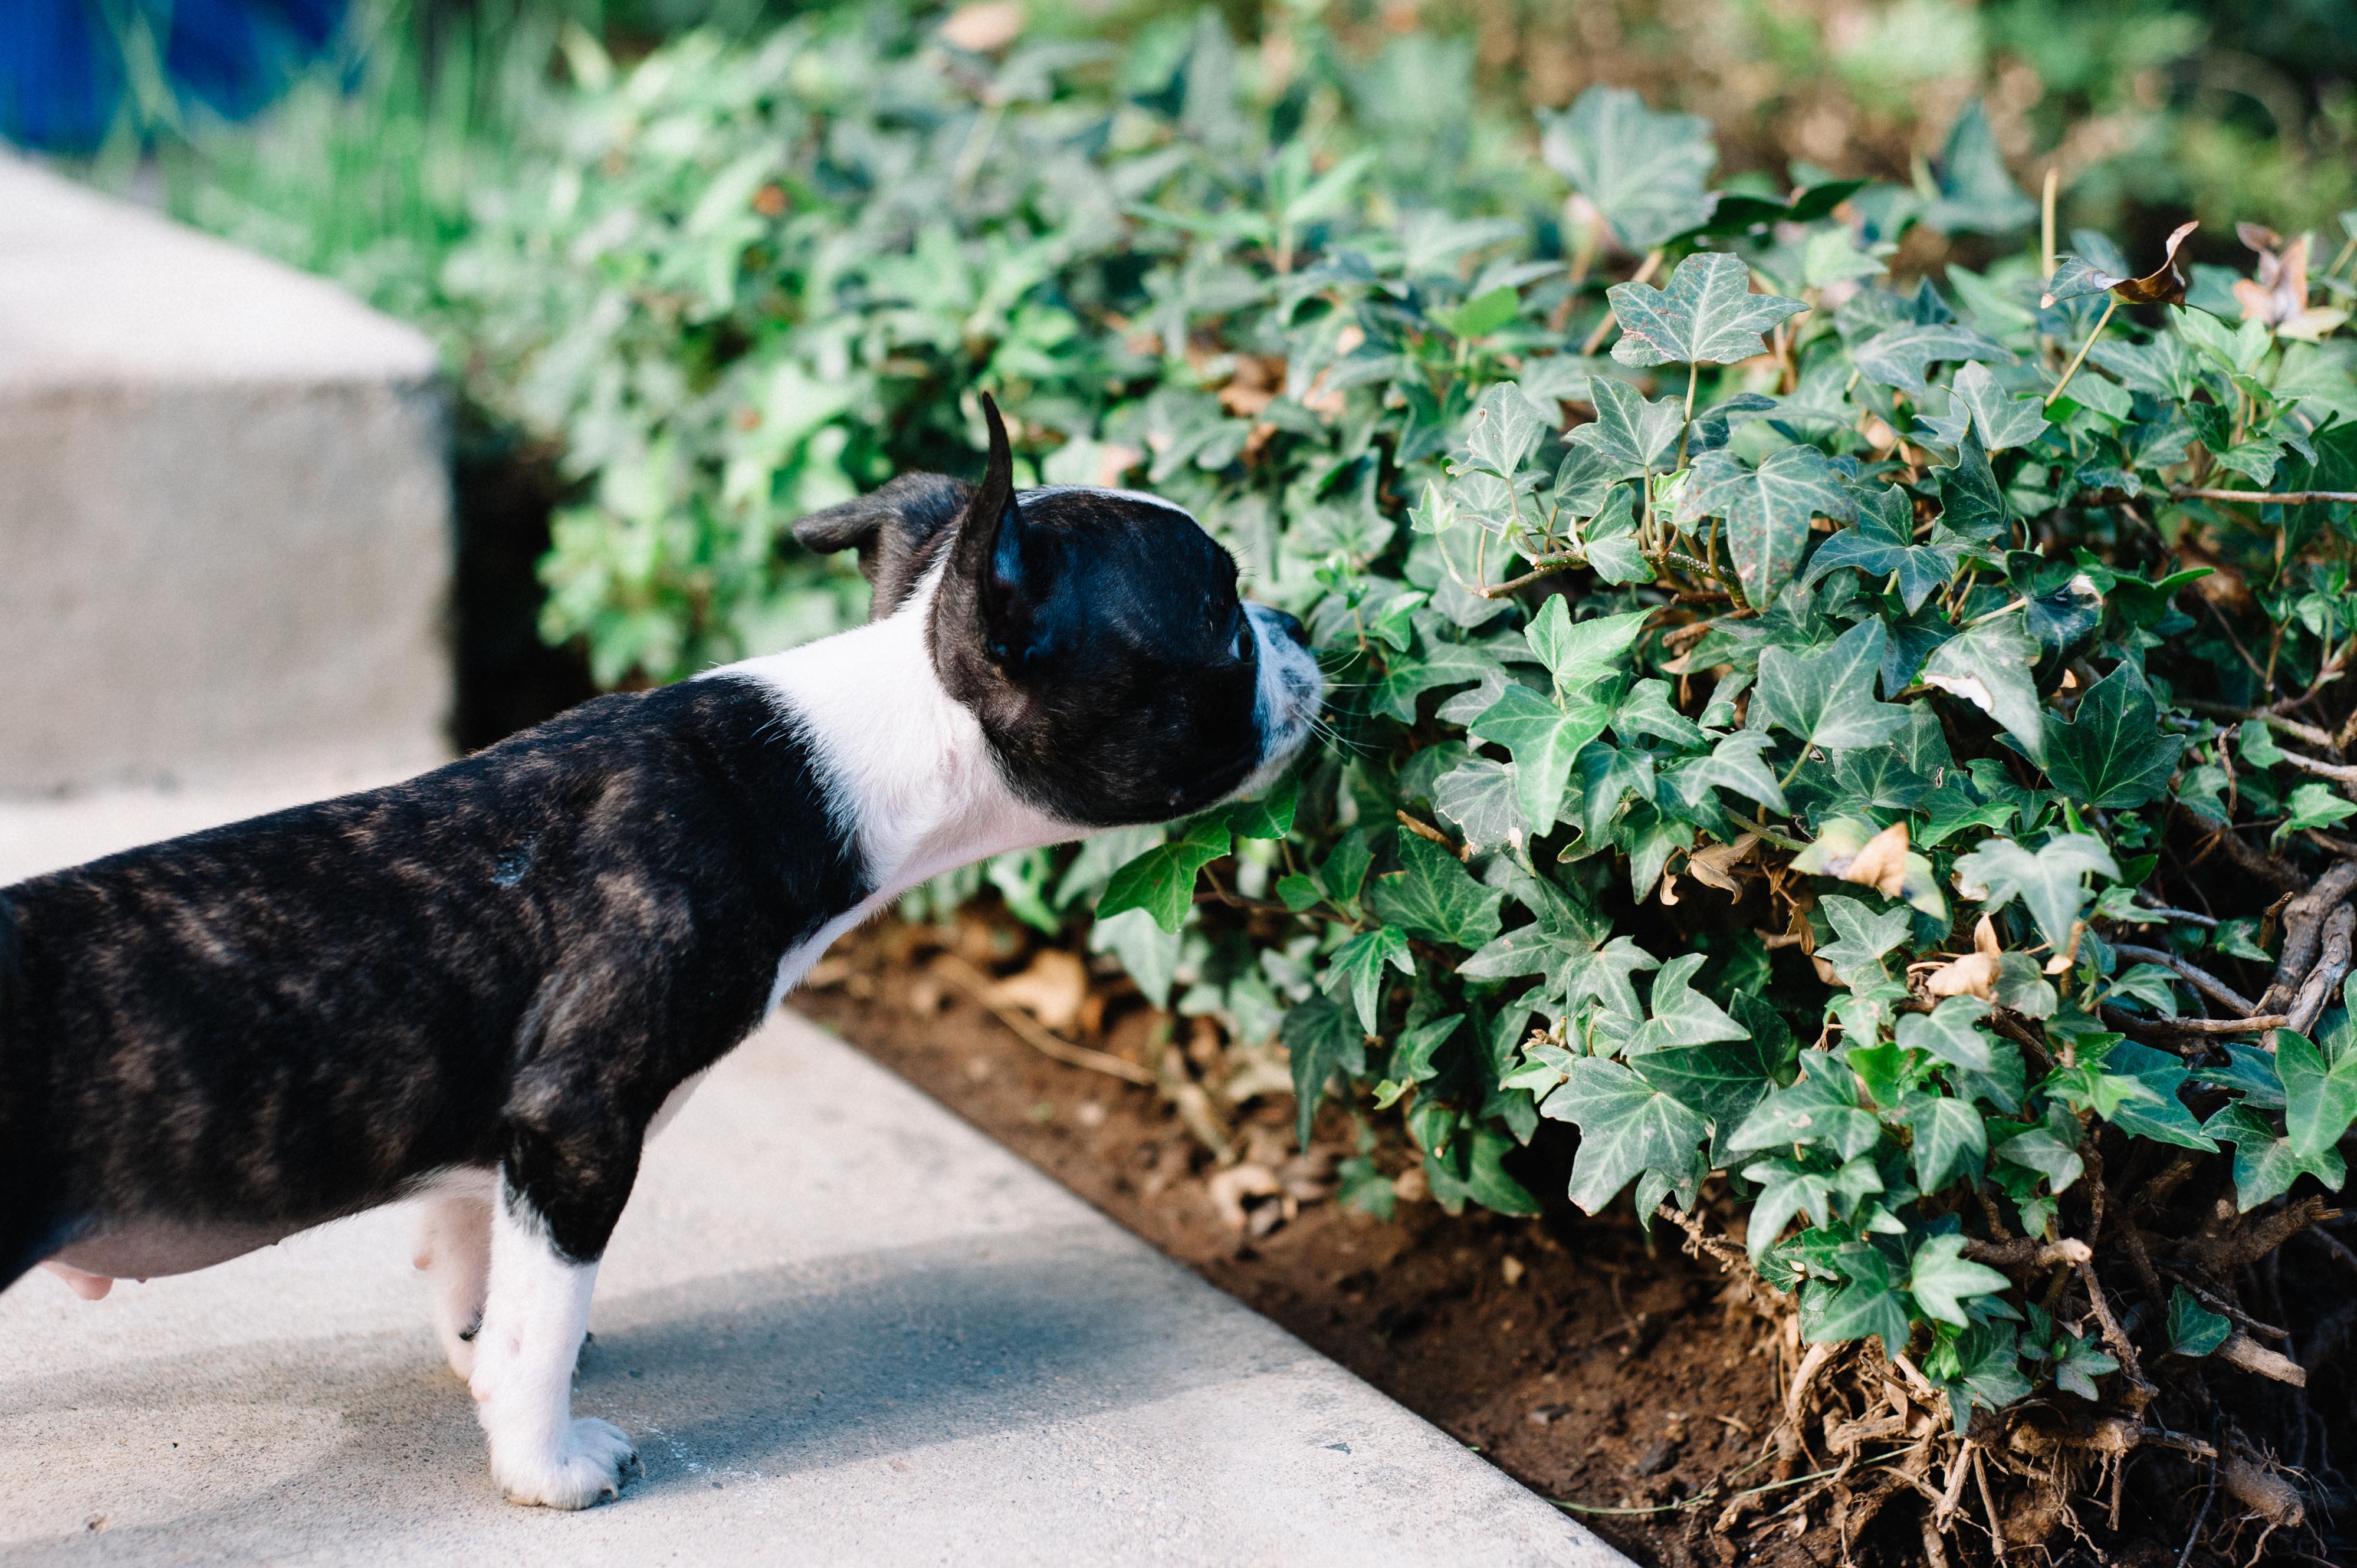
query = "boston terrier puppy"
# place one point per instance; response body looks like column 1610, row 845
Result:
column 487, row 986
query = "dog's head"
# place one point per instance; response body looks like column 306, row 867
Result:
column 1096, row 634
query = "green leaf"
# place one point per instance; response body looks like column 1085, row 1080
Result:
column 1834, row 1315
column 2050, row 882
column 1975, row 193
column 1767, row 509
column 1486, row 1181
column 1270, row 817
column 1483, row 314
column 2312, row 805
column 1626, row 1127
column 1949, row 1136
column 1862, row 935
column 2194, row 1329
column 1432, row 896
column 1990, row 667
column 2265, row 1165
column 1681, row 1014
column 1721, row 1080
column 2077, row 1365
column 1544, row 740
column 1942, row 1277
column 1973, row 506
column 1320, row 1040
column 1412, row 1057
column 1785, row 1189
column 1570, row 946
column 1443, row 664
column 1299, row 893
column 1479, row 796
column 1579, row 653
column 1952, row 1032
column 1357, row 968
column 1505, row 426
column 2002, row 419
column 2113, row 754
column 2051, row 1148
column 1162, row 880
column 1820, row 1108
column 2319, row 1096
column 1644, row 171
column 1900, row 356
column 1988, row 1359
column 2163, row 1118
column 1826, row 698
column 1734, row 764
column 1630, row 432
column 1345, row 867
column 1708, row 315
column 1883, row 545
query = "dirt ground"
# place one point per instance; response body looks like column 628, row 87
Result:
column 1590, row 1367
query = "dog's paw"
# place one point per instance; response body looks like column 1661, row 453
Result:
column 584, row 1467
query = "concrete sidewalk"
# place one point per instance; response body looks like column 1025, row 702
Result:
column 843, row 1327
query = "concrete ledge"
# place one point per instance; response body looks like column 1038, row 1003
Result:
column 225, row 535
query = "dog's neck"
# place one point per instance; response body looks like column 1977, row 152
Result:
column 906, row 765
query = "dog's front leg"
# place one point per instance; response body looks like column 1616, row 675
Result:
column 454, row 1248
column 534, row 1320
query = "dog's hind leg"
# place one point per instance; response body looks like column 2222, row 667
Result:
column 454, row 1248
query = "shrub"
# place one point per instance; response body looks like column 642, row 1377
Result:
column 1794, row 749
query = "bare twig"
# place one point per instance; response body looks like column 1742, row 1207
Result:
column 2201, row 979
column 1424, row 830
column 2220, row 1256
column 2029, row 1252
column 2241, row 1350
column 2331, row 967
column 2256, row 497
column 2254, row 1025
column 2304, row 932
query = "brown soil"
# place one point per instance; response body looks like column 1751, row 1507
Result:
column 1589, row 1367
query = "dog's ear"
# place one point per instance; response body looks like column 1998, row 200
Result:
column 1012, row 563
column 894, row 529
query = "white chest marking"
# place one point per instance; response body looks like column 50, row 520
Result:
column 907, row 772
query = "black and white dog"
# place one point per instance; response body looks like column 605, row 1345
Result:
column 488, row 986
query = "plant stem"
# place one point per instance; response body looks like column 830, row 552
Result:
column 2046, row 221
column 1693, row 372
column 2259, row 498
column 1596, row 339
column 2111, row 304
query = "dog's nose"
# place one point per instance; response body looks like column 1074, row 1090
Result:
column 1293, row 628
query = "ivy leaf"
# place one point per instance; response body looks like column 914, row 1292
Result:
column 2319, row 1096
column 1949, row 1136
column 2113, row 754
column 1834, row 1316
column 1432, row 896
column 1943, row 1276
column 1722, row 1080
column 2077, row 1365
column 2311, row 805
column 1344, row 869
column 1320, row 1039
column 2265, row 1165
column 1972, row 505
column 1861, row 936
column 1579, row 653
column 1708, row 315
column 1642, row 169
column 1544, row 740
column 1883, row 545
column 1477, row 795
column 2164, row 1119
column 1975, row 194
column 1357, row 968
column 1633, row 434
column 1506, row 424
column 1952, row 1032
column 1571, row 947
column 1767, row 509
column 1990, row 667
column 1443, row 664
column 1900, row 356
column 2050, row 882
column 2002, row 419
column 1681, row 1014
column 1486, row 1180
column 2050, row 1147
column 1626, row 1127
column 1826, row 698
column 1785, row 1189
column 1821, row 1109
column 2194, row 1329
column 1988, row 1359
column 1734, row 764
column 1162, row 880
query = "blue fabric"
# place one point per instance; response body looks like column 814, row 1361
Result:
column 62, row 73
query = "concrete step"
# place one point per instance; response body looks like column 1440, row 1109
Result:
column 225, row 536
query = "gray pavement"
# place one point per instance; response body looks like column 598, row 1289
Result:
column 844, row 1326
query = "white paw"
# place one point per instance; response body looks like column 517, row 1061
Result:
column 459, row 1347
column 585, row 1468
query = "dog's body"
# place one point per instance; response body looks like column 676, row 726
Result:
column 485, row 985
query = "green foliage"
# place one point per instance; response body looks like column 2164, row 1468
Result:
column 1806, row 692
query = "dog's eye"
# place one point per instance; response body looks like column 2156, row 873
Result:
column 1247, row 645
